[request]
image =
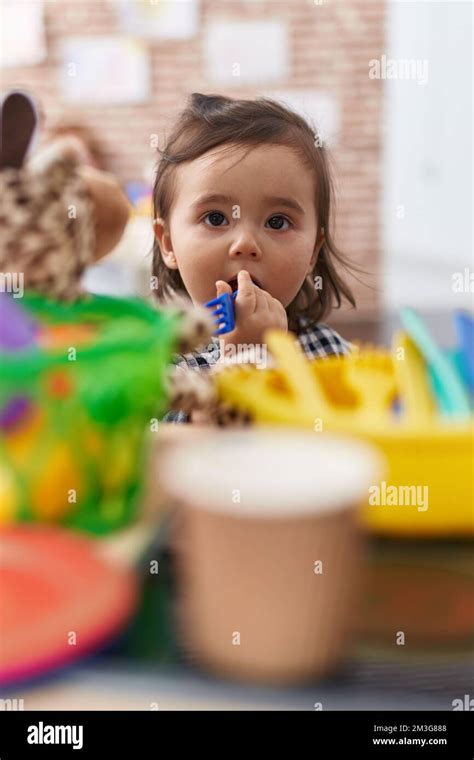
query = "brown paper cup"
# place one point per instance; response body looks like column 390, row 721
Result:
column 267, row 549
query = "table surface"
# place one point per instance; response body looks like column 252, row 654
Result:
column 102, row 686
column 145, row 669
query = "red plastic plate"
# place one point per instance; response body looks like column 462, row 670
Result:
column 58, row 600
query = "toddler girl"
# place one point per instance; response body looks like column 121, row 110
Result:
column 242, row 200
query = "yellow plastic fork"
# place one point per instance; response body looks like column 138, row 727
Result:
column 371, row 375
column 307, row 391
column 411, row 375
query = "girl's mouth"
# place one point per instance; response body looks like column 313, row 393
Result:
column 234, row 283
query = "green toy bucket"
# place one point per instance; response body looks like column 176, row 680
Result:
column 88, row 394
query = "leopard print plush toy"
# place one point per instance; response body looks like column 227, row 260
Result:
column 47, row 230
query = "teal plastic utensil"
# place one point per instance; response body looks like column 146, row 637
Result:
column 451, row 396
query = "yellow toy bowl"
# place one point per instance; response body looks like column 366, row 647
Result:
column 428, row 486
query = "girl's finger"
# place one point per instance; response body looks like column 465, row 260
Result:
column 263, row 300
column 279, row 313
column 223, row 287
column 246, row 301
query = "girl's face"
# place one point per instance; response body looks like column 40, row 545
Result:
column 242, row 209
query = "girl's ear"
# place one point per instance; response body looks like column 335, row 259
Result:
column 317, row 248
column 161, row 230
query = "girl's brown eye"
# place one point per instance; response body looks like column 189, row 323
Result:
column 277, row 222
column 215, row 218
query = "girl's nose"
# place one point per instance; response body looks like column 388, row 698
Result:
column 245, row 247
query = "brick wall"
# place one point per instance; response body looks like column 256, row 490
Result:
column 330, row 46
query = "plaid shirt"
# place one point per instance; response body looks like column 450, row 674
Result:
column 316, row 340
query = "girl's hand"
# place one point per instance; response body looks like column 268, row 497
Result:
column 255, row 311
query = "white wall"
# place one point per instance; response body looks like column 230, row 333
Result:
column 428, row 156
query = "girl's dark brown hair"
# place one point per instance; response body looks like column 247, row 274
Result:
column 210, row 121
